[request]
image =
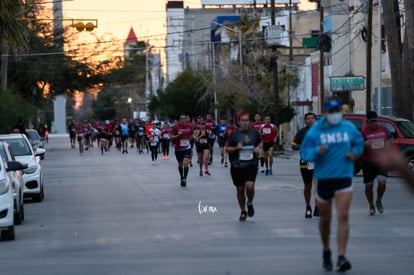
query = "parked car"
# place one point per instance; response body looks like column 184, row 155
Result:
column 32, row 175
column 35, row 140
column 17, row 182
column 401, row 129
column 7, row 199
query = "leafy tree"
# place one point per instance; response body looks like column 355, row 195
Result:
column 123, row 82
column 13, row 33
column 105, row 105
column 188, row 94
column 12, row 108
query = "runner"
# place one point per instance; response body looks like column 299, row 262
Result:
column 140, row 137
column 103, row 139
column 211, row 126
column 306, row 168
column 230, row 129
column 81, row 135
column 132, row 132
column 243, row 146
column 165, row 140
column 333, row 144
column 221, row 130
column 181, row 135
column 376, row 137
column 154, row 139
column 117, row 134
column 202, row 147
column 124, row 135
column 269, row 136
column 257, row 124
column 72, row 133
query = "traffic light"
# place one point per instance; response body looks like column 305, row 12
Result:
column 325, row 42
column 80, row 26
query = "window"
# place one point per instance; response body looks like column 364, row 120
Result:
column 406, row 128
column 356, row 122
column 19, row 147
column 389, row 127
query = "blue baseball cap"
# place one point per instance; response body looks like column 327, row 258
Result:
column 332, row 104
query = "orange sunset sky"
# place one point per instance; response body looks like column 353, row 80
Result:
column 115, row 17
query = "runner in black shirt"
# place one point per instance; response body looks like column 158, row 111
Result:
column 243, row 147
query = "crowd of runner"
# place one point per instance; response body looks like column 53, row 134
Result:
column 328, row 147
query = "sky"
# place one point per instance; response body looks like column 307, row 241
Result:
column 116, row 17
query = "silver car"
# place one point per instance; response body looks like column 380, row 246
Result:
column 34, row 138
column 17, row 182
column 7, row 199
column 32, row 175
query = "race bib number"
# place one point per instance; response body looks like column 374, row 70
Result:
column 246, row 154
column 153, row 143
column 166, row 136
column 311, row 165
column 203, row 141
column 184, row 142
column 377, row 143
column 266, row 130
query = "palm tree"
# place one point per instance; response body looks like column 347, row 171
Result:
column 13, row 33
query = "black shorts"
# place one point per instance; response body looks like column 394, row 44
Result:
column 327, row 188
column 181, row 155
column 211, row 142
column 371, row 171
column 267, row 146
column 241, row 175
column 221, row 141
column 307, row 175
column 201, row 147
column 123, row 138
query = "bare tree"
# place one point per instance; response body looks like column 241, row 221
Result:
column 395, row 56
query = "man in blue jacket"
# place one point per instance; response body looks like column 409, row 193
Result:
column 333, row 144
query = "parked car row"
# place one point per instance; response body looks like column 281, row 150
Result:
column 20, row 177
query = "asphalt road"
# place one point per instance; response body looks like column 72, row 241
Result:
column 118, row 214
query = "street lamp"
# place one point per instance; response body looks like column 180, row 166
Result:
column 129, row 101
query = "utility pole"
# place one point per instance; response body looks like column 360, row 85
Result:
column 379, row 90
column 274, row 67
column 321, row 61
column 368, row 57
column 290, row 33
column 59, row 106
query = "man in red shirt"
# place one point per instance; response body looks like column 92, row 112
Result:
column 181, row 135
column 268, row 132
column 257, row 125
column 211, row 126
column 376, row 138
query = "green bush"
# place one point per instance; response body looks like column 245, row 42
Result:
column 13, row 107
